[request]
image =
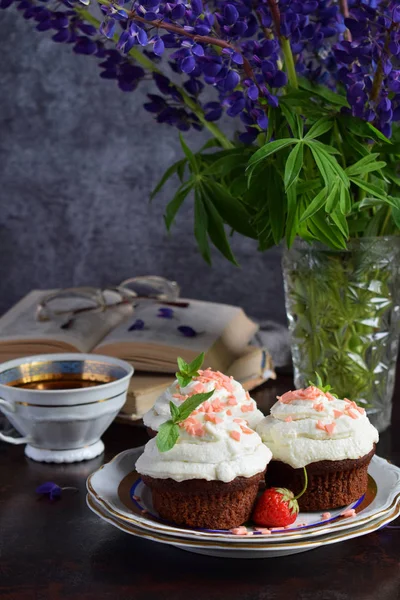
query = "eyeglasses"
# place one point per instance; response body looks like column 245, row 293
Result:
column 63, row 306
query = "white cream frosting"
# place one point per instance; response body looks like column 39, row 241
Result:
column 160, row 412
column 215, row 455
column 295, row 430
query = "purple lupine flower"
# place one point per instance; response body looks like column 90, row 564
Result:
column 165, row 313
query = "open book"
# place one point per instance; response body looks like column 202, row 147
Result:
column 221, row 331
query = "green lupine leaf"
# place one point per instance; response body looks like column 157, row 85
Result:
column 341, row 222
column 324, row 167
column 319, row 128
column 362, row 128
column 316, row 204
column 332, row 198
column 217, row 232
column 370, row 188
column 173, row 207
column 328, row 159
column 326, row 147
column 292, row 217
column 167, row 175
column 396, row 214
column 293, row 119
column 293, row 165
column 365, row 165
column 189, row 155
column 200, row 227
column 212, row 143
column 323, row 92
column 270, row 148
column 230, row 208
column 167, row 436
column 344, row 200
column 326, row 233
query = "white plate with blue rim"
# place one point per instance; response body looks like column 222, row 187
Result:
column 121, row 496
column 235, row 548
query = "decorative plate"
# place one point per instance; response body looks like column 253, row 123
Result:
column 235, row 548
column 118, row 489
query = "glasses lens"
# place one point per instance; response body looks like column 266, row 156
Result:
column 151, row 286
column 69, row 302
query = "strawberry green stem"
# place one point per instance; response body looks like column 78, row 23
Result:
column 305, row 485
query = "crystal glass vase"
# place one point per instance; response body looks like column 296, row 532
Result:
column 344, row 319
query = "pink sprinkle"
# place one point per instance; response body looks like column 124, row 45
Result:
column 337, row 413
column 320, row 425
column 319, row 407
column 276, row 528
column 330, row 428
column 137, row 498
column 326, row 515
column 239, row 530
column 235, row 435
column 329, row 396
column 199, row 388
column 288, row 419
column 348, row 513
column 229, row 412
column 247, row 408
column 246, row 429
column 238, row 420
column 180, row 397
column 213, row 418
column 353, row 413
column 217, row 406
column 263, row 530
column 232, row 401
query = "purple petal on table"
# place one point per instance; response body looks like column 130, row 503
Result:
column 165, row 313
column 49, row 487
column 137, row 325
column 187, row 331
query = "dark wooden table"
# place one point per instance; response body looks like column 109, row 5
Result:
column 60, row 550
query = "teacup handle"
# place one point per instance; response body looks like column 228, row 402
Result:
column 8, row 407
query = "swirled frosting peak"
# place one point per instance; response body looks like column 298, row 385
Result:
column 229, row 397
column 308, row 425
column 211, row 446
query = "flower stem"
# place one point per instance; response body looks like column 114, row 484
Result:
column 289, row 62
column 148, row 64
column 386, row 221
column 305, row 485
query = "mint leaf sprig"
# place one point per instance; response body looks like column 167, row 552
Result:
column 168, row 433
column 319, row 384
column 188, row 370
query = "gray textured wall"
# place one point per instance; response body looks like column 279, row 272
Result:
column 78, row 158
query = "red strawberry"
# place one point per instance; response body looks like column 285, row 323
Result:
column 278, row 507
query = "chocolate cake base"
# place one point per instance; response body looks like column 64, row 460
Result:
column 205, row 504
column 331, row 484
column 151, row 432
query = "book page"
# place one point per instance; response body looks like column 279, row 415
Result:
column 207, row 319
column 85, row 332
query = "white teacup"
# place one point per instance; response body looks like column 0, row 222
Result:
column 62, row 403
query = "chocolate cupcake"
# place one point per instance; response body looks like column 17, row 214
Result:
column 234, row 400
column 332, row 438
column 210, row 478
